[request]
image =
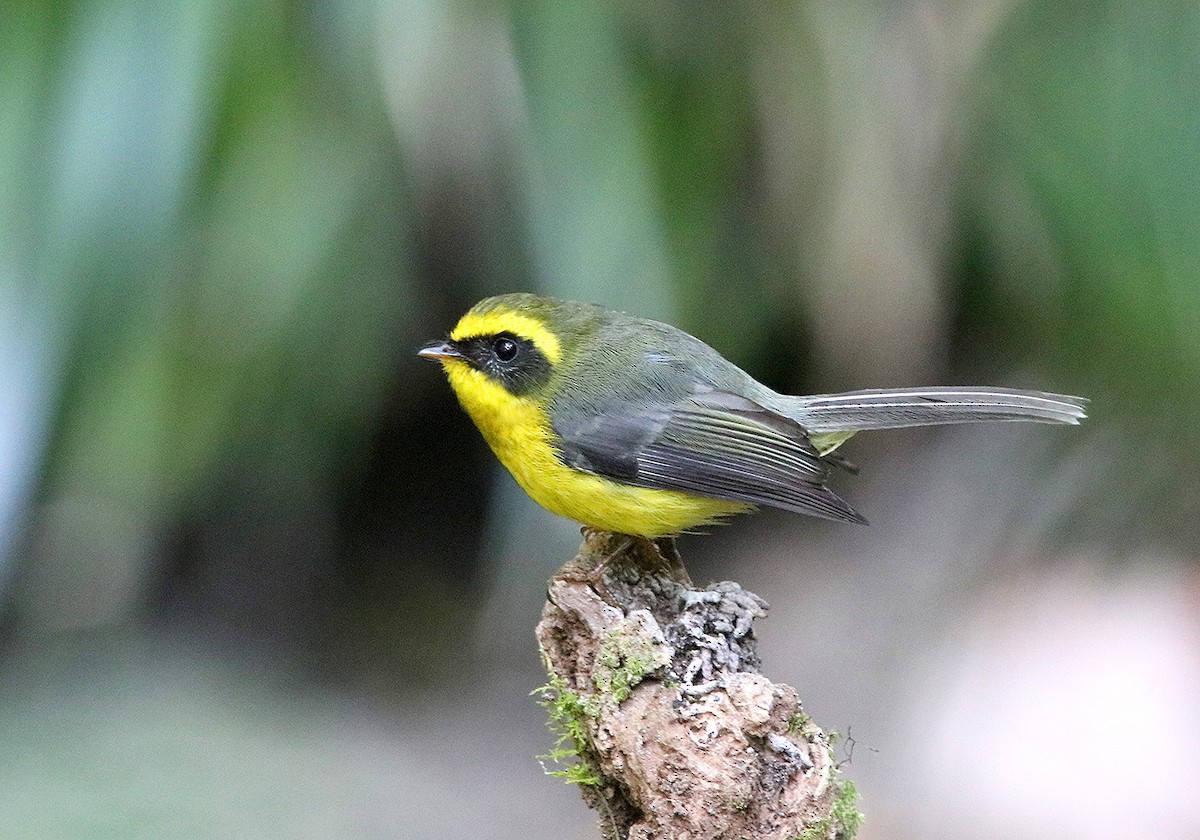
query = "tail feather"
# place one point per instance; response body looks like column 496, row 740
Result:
column 896, row 408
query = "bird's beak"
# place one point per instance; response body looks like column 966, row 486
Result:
column 440, row 350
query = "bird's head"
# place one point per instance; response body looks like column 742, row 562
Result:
column 516, row 341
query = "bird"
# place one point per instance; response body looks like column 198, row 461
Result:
column 633, row 426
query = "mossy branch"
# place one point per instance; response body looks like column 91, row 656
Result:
column 662, row 716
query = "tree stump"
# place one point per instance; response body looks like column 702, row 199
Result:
column 663, row 717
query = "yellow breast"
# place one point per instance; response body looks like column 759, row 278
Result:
column 519, row 432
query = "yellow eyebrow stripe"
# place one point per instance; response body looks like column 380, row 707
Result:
column 475, row 324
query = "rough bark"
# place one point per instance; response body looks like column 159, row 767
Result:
column 656, row 692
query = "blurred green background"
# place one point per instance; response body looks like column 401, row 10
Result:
column 260, row 577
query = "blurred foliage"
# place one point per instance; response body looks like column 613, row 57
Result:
column 225, row 227
column 1083, row 191
column 232, row 223
column 209, row 213
column 1080, row 209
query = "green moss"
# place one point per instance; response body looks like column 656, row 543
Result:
column 844, row 818
column 742, row 804
column 797, row 723
column 569, row 713
column 623, row 661
column 845, row 811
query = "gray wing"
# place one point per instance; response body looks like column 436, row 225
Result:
column 717, row 444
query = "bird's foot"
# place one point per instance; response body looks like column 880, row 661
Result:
column 606, row 551
column 668, row 554
column 603, row 548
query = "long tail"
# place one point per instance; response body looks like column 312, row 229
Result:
column 857, row 411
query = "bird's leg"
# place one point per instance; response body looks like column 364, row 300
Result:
column 612, row 547
column 668, row 553
column 604, row 548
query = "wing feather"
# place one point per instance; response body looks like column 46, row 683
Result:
column 718, row 445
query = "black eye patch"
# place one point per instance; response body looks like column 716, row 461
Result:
column 513, row 361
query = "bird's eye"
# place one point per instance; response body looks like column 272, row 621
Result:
column 505, row 349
